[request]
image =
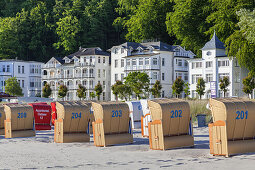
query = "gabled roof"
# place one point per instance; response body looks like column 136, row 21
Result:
column 59, row 59
column 214, row 43
column 89, row 51
column 156, row 45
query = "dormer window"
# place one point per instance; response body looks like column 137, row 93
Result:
column 209, row 53
column 116, row 51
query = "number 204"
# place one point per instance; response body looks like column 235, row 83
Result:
column 241, row 115
column 176, row 113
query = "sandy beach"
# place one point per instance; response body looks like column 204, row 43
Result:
column 41, row 152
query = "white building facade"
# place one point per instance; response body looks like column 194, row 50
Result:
column 159, row 60
column 28, row 74
column 88, row 67
column 213, row 66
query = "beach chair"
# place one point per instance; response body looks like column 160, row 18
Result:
column 2, row 118
column 170, row 124
column 111, row 124
column 233, row 128
column 19, row 120
column 72, row 122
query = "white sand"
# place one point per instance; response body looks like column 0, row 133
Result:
column 41, row 152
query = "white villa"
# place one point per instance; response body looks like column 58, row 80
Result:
column 212, row 67
column 159, row 60
column 88, row 66
column 28, row 74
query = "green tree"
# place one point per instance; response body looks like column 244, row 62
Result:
column 200, row 87
column 186, row 89
column 188, row 23
column 12, row 87
column 224, row 83
column 92, row 95
column 116, row 89
column 46, row 91
column 98, row 89
column 155, row 90
column 178, row 86
column 137, row 81
column 248, row 85
column 81, row 91
column 125, row 92
column 62, row 91
column 146, row 19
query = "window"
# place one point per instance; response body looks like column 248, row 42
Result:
column 196, row 65
column 116, row 51
column 186, row 63
column 99, row 60
column 18, row 81
column 103, row 95
column 221, row 75
column 116, row 63
column 3, row 68
column 122, row 77
column 23, row 83
column 163, row 93
column 237, row 77
column 223, row 63
column 147, row 61
column 90, row 60
column 179, row 62
column 140, row 61
column 91, row 83
column 23, row 69
column 18, row 69
column 155, row 75
column 134, row 62
column 116, row 77
column 195, row 78
column 84, row 82
column 103, row 59
column 186, row 76
column 8, row 68
column 122, row 50
column 122, row 62
column 155, row 61
column 209, row 53
column 179, row 75
column 163, row 76
column 104, row 73
column 128, row 62
column 209, row 78
column 98, row 73
column 32, row 84
column 208, row 64
column 163, row 61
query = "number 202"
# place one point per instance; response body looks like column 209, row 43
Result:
column 116, row 113
column 240, row 115
column 176, row 113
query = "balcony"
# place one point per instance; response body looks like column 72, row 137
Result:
column 180, row 54
column 5, row 73
column 142, row 67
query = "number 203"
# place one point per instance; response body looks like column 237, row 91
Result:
column 116, row 113
column 241, row 114
column 176, row 113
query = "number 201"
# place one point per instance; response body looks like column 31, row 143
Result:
column 116, row 113
column 241, row 114
column 176, row 113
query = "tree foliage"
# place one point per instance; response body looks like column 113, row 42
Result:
column 81, row 91
column 178, row 86
column 200, row 87
column 155, row 90
column 12, row 87
column 98, row 89
column 62, row 91
column 248, row 84
column 138, row 82
column 186, row 89
column 46, row 91
column 224, row 83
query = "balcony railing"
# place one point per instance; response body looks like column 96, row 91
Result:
column 142, row 67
